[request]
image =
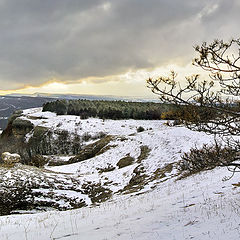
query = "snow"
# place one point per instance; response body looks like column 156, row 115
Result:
column 201, row 206
column 74, row 124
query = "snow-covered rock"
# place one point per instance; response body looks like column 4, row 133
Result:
column 10, row 158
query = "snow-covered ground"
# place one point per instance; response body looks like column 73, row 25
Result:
column 199, row 207
column 202, row 206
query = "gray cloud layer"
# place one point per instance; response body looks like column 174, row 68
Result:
column 71, row 39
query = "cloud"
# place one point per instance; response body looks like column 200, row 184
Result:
column 74, row 39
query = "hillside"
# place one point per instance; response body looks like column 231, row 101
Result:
column 123, row 182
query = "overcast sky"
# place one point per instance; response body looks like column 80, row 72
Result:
column 90, row 45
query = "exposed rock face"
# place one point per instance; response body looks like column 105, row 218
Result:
column 41, row 140
column 21, row 127
column 9, row 158
column 12, row 138
column 16, row 126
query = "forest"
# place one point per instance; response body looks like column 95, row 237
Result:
column 112, row 109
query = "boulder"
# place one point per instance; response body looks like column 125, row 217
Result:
column 9, row 158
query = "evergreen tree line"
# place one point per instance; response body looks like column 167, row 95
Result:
column 109, row 109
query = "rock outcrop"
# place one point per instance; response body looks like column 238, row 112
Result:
column 30, row 142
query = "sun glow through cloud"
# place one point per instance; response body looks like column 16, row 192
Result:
column 131, row 83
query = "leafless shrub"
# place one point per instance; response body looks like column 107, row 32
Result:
column 207, row 157
column 15, row 196
column 86, row 136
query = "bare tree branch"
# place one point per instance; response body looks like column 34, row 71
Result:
column 205, row 108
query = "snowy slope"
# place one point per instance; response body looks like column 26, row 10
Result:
column 166, row 144
column 201, row 206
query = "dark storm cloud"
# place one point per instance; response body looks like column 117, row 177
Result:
column 72, row 39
